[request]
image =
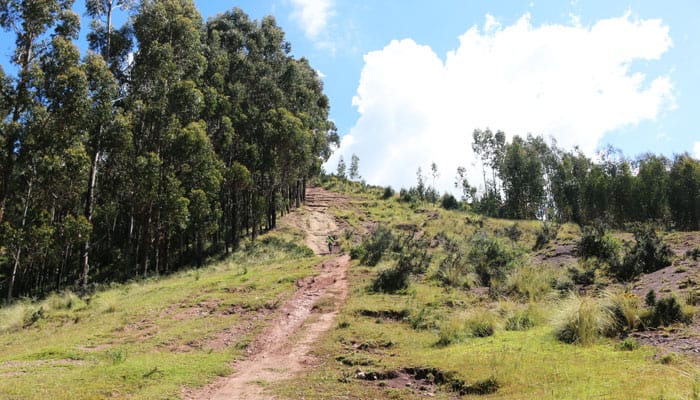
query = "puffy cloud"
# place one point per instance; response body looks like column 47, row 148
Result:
column 569, row 82
column 312, row 16
column 696, row 150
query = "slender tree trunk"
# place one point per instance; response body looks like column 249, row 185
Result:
column 89, row 206
column 18, row 253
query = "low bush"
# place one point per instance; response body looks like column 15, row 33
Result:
column 492, row 259
column 481, row 324
column 388, row 193
column 581, row 320
column 665, row 312
column 454, row 270
column 649, row 254
column 693, row 254
column 547, row 232
column 628, row 344
column 449, row 202
column 519, row 322
column 391, row 280
column 596, row 242
column 375, row 245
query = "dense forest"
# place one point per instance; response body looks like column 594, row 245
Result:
column 169, row 141
column 528, row 179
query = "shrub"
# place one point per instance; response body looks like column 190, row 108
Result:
column 358, row 252
column 449, row 202
column 388, row 193
column 649, row 254
column 513, row 232
column 453, row 269
column 693, row 253
column 667, row 311
column 581, row 320
column 63, row 301
column 547, row 232
column 376, row 244
column 595, row 242
column 391, row 280
column 491, row 258
column 650, row 298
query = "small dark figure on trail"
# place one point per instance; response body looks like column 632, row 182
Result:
column 331, row 241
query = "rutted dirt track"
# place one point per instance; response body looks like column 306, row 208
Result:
column 282, row 350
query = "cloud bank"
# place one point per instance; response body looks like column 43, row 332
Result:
column 696, row 150
column 569, row 82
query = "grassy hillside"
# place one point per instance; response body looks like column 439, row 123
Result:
column 146, row 340
column 499, row 342
column 447, row 334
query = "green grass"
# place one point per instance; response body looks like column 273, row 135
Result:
column 523, row 355
column 147, row 340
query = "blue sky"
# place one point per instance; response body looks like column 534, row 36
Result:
column 409, row 80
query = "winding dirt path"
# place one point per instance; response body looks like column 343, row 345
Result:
column 282, row 350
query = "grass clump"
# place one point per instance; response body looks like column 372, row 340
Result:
column 454, row 270
column 547, row 232
column 581, row 320
column 628, row 344
column 532, row 282
column 625, row 308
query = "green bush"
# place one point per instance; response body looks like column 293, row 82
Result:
column 358, row 252
column 649, row 254
column 376, row 244
column 581, row 320
column 454, row 270
column 491, row 258
column 449, row 202
column 547, row 232
column 532, row 282
column 391, row 280
column 596, row 242
column 665, row 312
column 388, row 193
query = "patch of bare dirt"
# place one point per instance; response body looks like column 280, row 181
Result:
column 679, row 340
column 559, row 255
column 283, row 349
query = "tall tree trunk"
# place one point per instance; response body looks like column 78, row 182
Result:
column 89, row 206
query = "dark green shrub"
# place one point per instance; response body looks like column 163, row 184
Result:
column 650, row 298
column 547, row 232
column 376, row 244
column 649, row 254
column 411, row 252
column 388, row 193
column 583, row 274
column 693, row 253
column 665, row 312
column 449, row 202
column 454, row 270
column 391, row 280
column 595, row 242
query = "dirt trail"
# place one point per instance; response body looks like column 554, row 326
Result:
column 282, row 350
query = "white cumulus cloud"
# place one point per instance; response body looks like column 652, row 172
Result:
column 312, row 16
column 571, row 82
column 696, row 150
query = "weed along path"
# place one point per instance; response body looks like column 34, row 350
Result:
column 282, row 350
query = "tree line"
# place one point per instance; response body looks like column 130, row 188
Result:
column 171, row 140
column 527, row 178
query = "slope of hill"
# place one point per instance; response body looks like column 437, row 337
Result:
column 274, row 321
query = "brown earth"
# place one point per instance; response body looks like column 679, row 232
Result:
column 283, row 349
